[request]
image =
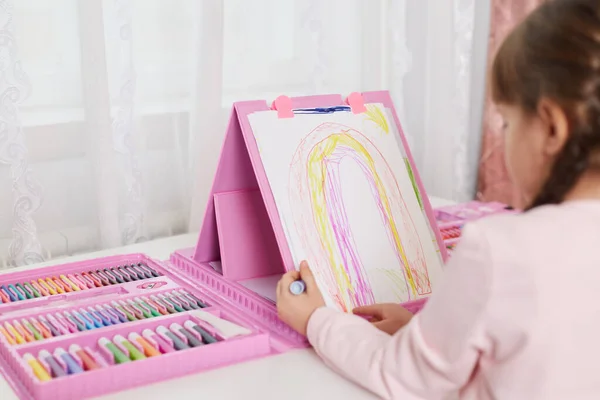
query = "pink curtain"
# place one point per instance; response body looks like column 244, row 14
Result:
column 493, row 182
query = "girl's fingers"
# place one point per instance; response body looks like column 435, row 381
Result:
column 374, row 311
column 286, row 280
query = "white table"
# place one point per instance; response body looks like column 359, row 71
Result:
column 296, row 375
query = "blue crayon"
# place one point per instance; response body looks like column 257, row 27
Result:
column 297, row 287
column 11, row 295
column 92, row 317
column 99, row 316
column 72, row 365
column 14, row 290
column 84, row 318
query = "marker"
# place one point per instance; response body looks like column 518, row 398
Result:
column 134, row 353
column 113, row 278
column 106, row 280
column 12, row 289
column 177, row 343
column 26, row 334
column 206, row 337
column 183, row 299
column 89, row 275
column 162, row 343
column 148, row 269
column 149, row 350
column 153, row 310
column 297, row 287
column 38, row 370
column 36, row 334
column 55, row 369
column 134, row 273
column 47, row 286
column 41, row 328
column 192, row 340
column 18, row 337
column 8, row 336
column 24, row 291
column 115, row 311
column 4, row 295
column 40, row 289
column 119, row 356
column 32, row 290
column 85, row 319
column 88, row 362
column 98, row 322
column 145, row 272
column 73, row 366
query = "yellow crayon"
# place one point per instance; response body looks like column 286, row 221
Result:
column 20, row 339
column 70, row 283
column 38, row 369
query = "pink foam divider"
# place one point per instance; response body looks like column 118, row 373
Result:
column 123, row 376
column 356, row 102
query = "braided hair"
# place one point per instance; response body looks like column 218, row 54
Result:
column 555, row 54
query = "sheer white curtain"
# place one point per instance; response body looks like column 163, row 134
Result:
column 113, row 111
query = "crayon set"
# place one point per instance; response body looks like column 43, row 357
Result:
column 103, row 325
column 24, row 330
column 74, row 282
column 451, row 219
column 119, row 349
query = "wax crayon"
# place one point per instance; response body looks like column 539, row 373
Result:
column 118, row 275
column 26, row 334
column 77, row 281
column 147, row 268
column 88, row 362
column 69, row 283
column 61, row 285
column 32, row 289
column 190, row 296
column 182, row 298
column 113, row 277
column 88, row 322
column 165, row 299
column 12, row 296
column 119, row 356
column 161, row 309
column 73, row 319
column 30, row 328
column 73, row 366
column 90, row 316
column 4, row 295
column 154, row 311
column 192, row 340
column 133, row 309
column 63, row 328
column 206, row 337
column 23, row 291
column 100, row 316
column 143, row 272
column 53, row 329
column 134, row 273
column 166, row 305
column 177, row 342
column 18, row 337
column 149, row 349
column 102, row 277
column 162, row 343
column 38, row 369
column 8, row 336
column 84, row 281
column 18, row 296
column 47, row 286
column 43, row 292
column 55, row 368
column 109, row 276
column 134, row 353
column 90, row 275
column 145, row 311
column 41, row 328
column 114, row 316
column 129, row 315
column 124, row 275
column 175, row 300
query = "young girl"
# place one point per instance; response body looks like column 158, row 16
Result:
column 517, row 315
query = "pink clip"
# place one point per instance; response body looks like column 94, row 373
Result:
column 356, row 103
column 283, row 105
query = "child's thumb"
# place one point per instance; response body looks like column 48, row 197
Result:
column 306, row 274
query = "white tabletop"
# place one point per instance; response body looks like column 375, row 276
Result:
column 295, row 375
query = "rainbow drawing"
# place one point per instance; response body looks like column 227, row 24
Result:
column 321, row 220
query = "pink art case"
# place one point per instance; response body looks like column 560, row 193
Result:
column 241, row 230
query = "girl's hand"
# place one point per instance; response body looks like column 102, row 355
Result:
column 295, row 310
column 387, row 317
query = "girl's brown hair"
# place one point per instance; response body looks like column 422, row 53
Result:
column 555, row 54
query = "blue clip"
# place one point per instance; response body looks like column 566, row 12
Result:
column 322, row 110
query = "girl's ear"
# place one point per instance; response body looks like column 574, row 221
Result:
column 555, row 127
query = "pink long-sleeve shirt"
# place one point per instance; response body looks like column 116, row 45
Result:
column 517, row 316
